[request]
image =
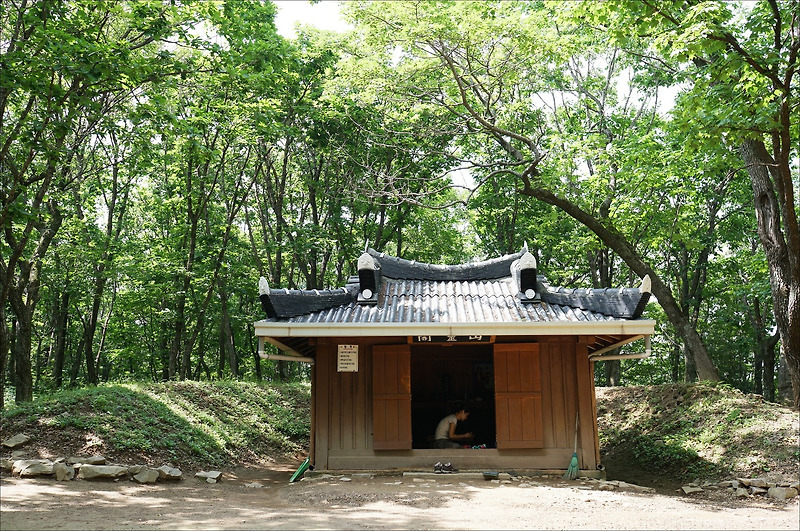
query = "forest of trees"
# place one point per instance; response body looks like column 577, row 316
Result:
column 158, row 156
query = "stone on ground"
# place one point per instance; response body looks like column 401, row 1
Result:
column 64, row 472
column 782, row 493
column 32, row 467
column 212, row 474
column 168, row 472
column 148, row 475
column 102, row 471
column 16, row 440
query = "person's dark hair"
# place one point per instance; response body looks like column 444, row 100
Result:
column 461, row 407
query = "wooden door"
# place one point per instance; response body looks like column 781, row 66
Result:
column 518, row 396
column 391, row 397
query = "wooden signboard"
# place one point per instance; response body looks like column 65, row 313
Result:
column 422, row 340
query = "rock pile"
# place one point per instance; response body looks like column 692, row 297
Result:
column 92, row 467
column 745, row 487
column 68, row 469
column 599, row 484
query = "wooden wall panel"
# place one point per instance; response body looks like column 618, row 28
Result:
column 559, row 394
column 347, row 400
column 518, row 396
column 391, row 397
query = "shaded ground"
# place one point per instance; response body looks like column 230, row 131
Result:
column 368, row 502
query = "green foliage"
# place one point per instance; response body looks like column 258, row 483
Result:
column 171, row 177
column 210, row 424
column 696, row 431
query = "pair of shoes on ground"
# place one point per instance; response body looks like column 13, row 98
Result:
column 446, row 468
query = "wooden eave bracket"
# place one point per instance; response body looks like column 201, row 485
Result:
column 598, row 355
column 292, row 356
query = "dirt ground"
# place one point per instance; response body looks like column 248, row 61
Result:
column 264, row 499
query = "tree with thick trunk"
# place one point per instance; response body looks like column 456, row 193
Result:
column 493, row 76
column 742, row 76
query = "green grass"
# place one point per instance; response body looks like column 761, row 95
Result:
column 192, row 423
column 699, row 431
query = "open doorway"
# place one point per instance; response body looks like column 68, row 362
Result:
column 446, row 376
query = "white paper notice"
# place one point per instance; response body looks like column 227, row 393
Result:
column 348, row 358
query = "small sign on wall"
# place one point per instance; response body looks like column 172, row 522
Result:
column 348, row 358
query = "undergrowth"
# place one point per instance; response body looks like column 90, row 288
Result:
column 191, row 423
column 699, row 431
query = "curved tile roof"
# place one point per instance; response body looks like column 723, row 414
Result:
column 482, row 292
column 415, row 301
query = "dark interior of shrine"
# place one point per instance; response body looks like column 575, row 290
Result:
column 445, row 377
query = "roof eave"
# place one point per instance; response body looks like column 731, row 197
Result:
column 277, row 329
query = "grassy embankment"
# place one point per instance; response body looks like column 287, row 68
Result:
column 185, row 424
column 680, row 431
column 697, row 431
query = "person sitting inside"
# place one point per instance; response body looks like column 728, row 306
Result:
column 446, row 436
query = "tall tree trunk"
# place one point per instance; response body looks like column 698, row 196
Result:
column 764, row 373
column 227, row 346
column 180, row 310
column 602, row 272
column 4, row 350
column 768, row 355
column 164, row 349
column 76, row 365
column 775, row 217
column 24, row 297
column 256, row 360
column 784, row 382
column 675, row 363
column 616, row 241
column 40, row 360
column 690, row 369
column 59, row 351
column 758, row 370
column 21, row 350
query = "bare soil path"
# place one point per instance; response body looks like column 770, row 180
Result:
column 370, row 502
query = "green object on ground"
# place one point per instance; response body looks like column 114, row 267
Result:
column 301, row 470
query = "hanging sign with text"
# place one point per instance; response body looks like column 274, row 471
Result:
column 348, row 358
column 451, row 339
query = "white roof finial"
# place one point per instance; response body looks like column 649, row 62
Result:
column 263, row 286
column 365, row 261
column 646, row 285
column 527, row 261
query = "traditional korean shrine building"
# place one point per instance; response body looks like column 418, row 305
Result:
column 403, row 343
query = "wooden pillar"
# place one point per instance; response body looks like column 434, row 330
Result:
column 587, row 439
column 312, row 435
column 321, row 398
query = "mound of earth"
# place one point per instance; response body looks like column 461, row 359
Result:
column 667, row 435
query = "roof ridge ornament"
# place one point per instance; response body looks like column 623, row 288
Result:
column 369, row 278
column 525, row 272
column 646, row 285
column 263, row 286
column 263, row 296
